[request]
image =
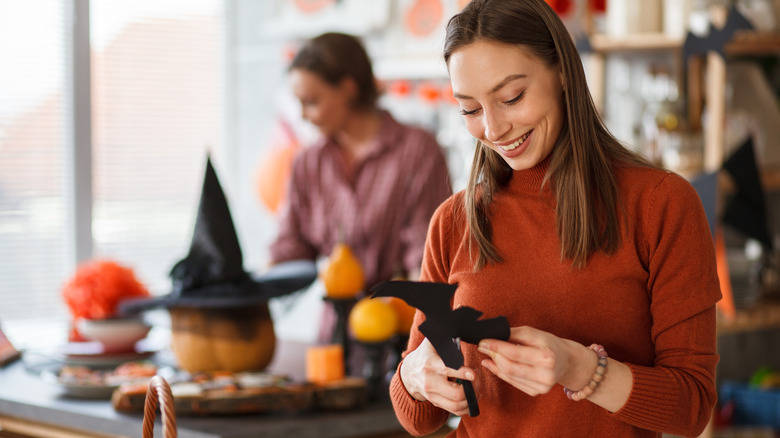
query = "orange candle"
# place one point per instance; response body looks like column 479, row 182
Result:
column 324, row 363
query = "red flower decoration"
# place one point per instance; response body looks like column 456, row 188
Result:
column 97, row 288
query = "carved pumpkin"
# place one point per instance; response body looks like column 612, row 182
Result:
column 222, row 339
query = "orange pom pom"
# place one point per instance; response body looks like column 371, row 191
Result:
column 97, row 288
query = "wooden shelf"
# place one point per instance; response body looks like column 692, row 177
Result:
column 635, row 42
column 754, row 44
column 760, row 316
column 744, row 43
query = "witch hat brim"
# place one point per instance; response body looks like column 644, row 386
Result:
column 212, row 273
column 280, row 279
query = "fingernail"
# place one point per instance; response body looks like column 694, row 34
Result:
column 469, row 375
column 484, row 345
column 488, row 352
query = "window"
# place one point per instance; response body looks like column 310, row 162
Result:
column 156, row 109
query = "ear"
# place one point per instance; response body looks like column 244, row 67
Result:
column 350, row 88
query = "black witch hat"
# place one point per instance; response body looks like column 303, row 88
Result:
column 746, row 211
column 212, row 273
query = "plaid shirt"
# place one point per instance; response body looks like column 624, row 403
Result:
column 381, row 212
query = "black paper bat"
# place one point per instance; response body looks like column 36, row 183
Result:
column 444, row 326
column 716, row 39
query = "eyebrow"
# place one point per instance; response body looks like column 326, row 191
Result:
column 498, row 86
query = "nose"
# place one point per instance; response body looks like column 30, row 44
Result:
column 496, row 126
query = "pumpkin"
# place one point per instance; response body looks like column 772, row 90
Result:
column 343, row 276
column 222, row 339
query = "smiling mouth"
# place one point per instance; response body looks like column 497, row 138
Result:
column 516, row 143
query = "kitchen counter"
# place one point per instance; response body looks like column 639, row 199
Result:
column 28, row 403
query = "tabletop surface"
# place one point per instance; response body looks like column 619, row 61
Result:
column 24, row 395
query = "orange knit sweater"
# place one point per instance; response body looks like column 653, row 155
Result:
column 651, row 305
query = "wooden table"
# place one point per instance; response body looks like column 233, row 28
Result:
column 31, row 407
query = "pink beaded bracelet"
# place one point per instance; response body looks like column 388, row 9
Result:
column 598, row 376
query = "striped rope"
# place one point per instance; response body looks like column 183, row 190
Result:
column 159, row 390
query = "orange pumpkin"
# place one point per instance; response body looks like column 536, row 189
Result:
column 232, row 339
column 343, row 276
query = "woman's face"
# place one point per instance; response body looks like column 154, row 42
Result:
column 324, row 105
column 511, row 102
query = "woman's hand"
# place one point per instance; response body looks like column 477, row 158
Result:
column 534, row 361
column 425, row 377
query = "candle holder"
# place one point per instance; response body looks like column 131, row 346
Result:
column 340, row 335
column 397, row 347
column 373, row 369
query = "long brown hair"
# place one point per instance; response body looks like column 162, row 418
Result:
column 580, row 172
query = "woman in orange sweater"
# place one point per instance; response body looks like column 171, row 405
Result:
column 602, row 263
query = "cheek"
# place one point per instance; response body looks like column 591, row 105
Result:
column 474, row 127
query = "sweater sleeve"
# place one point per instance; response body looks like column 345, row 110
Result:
column 677, row 394
column 423, row 418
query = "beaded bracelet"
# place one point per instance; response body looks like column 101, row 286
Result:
column 597, row 377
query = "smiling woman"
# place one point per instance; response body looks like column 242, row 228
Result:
column 584, row 247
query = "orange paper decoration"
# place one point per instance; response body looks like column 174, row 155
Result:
column 424, row 16
column 275, row 169
column 726, row 304
column 400, row 88
column 429, row 92
column 273, row 177
column 312, row 6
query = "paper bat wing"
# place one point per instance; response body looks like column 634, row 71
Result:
column 471, row 329
column 433, row 299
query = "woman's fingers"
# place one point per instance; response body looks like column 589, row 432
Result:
column 529, row 386
column 427, row 378
column 531, row 360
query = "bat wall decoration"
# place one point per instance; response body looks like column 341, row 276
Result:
column 716, row 39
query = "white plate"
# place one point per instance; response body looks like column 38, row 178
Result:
column 97, row 391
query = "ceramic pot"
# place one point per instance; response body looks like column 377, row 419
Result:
column 118, row 335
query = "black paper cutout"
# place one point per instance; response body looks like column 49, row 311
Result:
column 716, row 39
column 445, row 326
column 746, row 210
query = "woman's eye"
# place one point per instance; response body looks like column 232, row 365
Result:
column 465, row 112
column 516, row 99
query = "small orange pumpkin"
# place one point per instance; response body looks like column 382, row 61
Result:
column 343, row 276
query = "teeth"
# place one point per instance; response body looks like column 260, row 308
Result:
column 513, row 146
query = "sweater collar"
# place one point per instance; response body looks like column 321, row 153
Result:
column 529, row 179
